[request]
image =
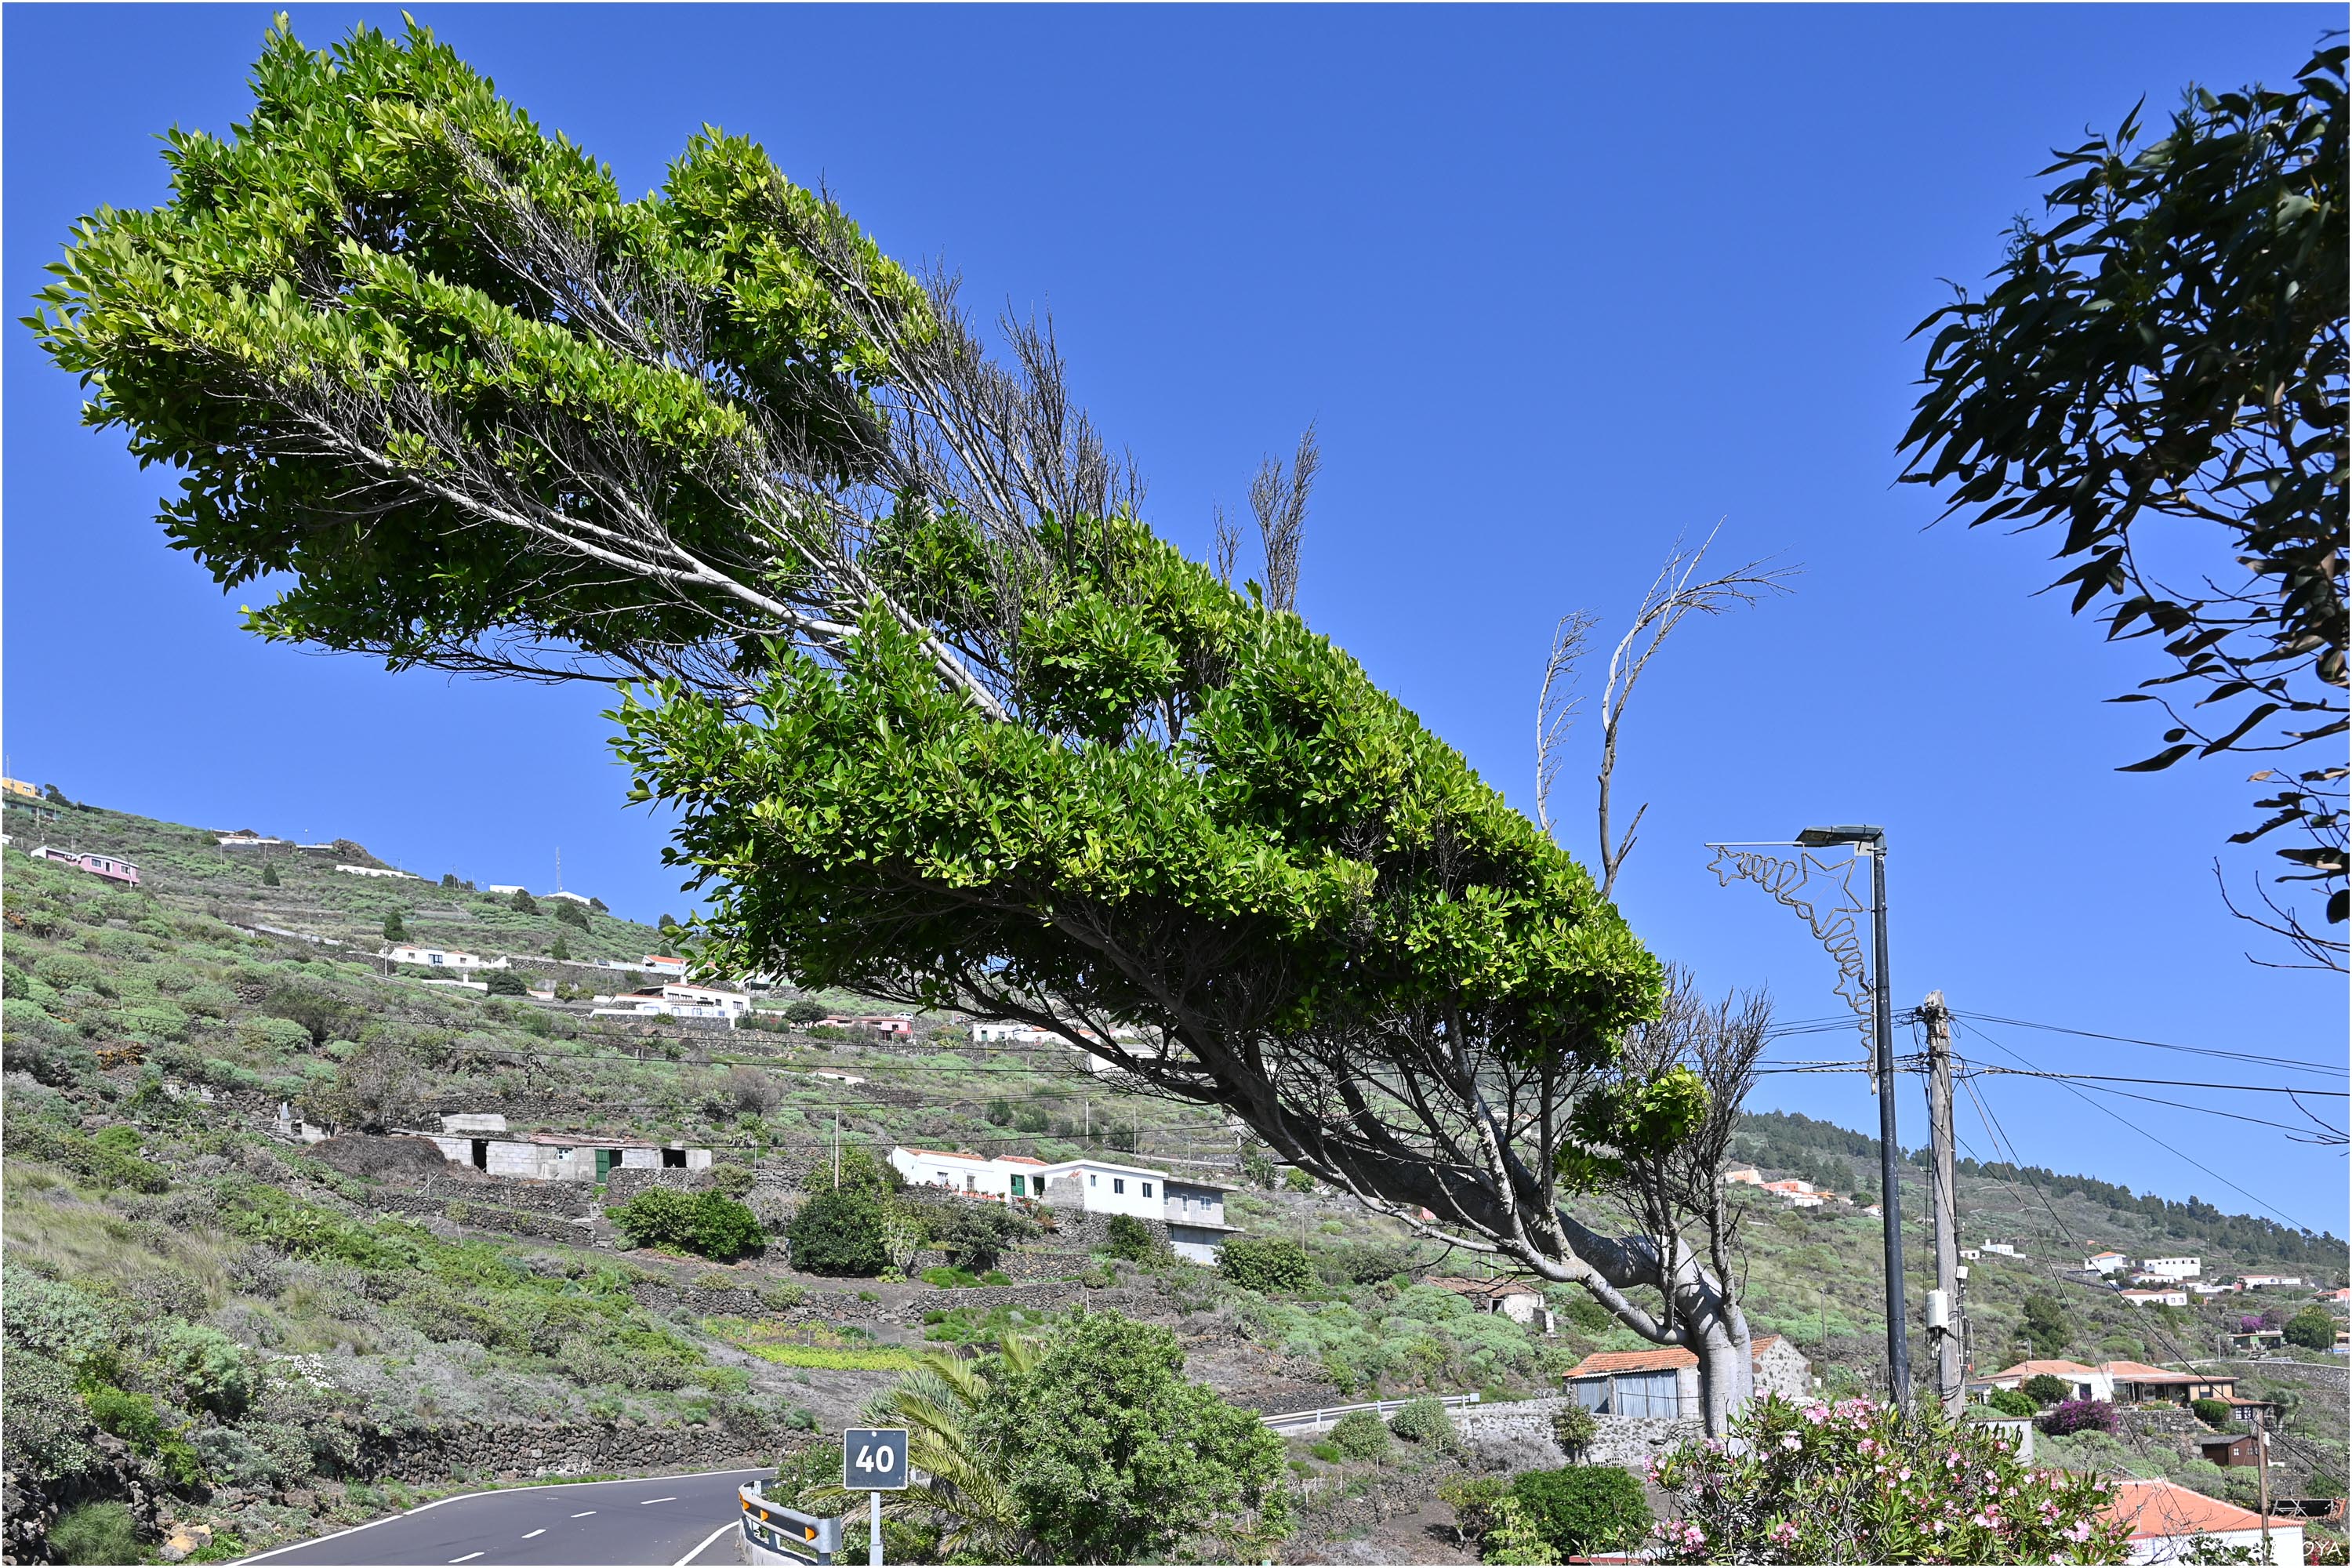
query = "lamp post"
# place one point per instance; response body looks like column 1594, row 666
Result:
column 1872, row 841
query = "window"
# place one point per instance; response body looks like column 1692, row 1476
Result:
column 1117, row 1184
column 434, row 958
column 1147, row 1189
column 1090, row 1178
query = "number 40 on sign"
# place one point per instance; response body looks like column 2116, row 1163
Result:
column 874, row 1459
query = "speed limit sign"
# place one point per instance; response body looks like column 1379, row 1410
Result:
column 874, row 1459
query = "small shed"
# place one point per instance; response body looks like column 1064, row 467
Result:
column 2231, row 1449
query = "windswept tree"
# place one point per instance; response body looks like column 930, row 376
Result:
column 2158, row 372
column 943, row 720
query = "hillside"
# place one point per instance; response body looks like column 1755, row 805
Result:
column 228, row 1325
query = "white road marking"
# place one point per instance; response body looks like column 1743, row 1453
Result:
column 464, row 1497
column 644, row 1501
column 698, row 1551
column 467, row 1558
column 540, row 1530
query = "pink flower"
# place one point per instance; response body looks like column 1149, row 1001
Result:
column 1905, row 1473
column 2079, row 1531
column 1817, row 1414
column 1785, row 1532
column 1791, row 1442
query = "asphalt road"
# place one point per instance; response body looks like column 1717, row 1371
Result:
column 662, row 1522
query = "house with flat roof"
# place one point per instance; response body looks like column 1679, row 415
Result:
column 2174, row 1296
column 676, row 1001
column 439, row 957
column 1192, row 1211
column 482, row 1140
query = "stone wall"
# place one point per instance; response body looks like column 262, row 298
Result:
column 483, row 1215
column 626, row 1183
column 1522, row 1425
column 518, row 1451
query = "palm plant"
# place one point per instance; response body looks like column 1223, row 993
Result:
column 958, row 1480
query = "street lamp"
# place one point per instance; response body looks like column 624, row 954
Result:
column 1872, row 841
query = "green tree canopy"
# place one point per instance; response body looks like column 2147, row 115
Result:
column 1121, row 1458
column 2169, row 347
column 944, row 721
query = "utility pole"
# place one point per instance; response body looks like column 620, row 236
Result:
column 1872, row 842
column 1898, row 1345
column 1946, row 1334
column 836, row 1151
column 2262, row 1477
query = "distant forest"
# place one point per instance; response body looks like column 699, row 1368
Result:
column 1846, row 1161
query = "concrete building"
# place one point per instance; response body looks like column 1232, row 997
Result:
column 1743, row 1175
column 2170, row 1523
column 1193, row 1211
column 676, row 1001
column 482, row 1140
column 2172, row 1298
column 112, row 867
column 2104, row 1262
column 440, row 957
column 382, row 873
column 2172, row 1267
column 1665, row 1381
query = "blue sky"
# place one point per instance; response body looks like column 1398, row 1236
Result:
column 1554, row 285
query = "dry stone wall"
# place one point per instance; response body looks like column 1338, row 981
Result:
column 1523, row 1428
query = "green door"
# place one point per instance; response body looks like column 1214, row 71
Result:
column 1020, row 1189
column 603, row 1164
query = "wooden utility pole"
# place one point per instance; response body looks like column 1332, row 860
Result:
column 1950, row 1385
column 2262, row 1479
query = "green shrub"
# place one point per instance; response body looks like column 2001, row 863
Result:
column 949, row 1278
column 571, row 914
column 1265, row 1264
column 2214, row 1412
column 269, row 873
column 95, row 1532
column 504, row 983
column 1477, row 1503
column 44, row 1426
column 1423, row 1421
column 1298, row 1181
column 1362, row 1435
column 2013, row 1402
column 1515, row 1538
column 1132, row 1239
column 2312, row 1329
column 1326, row 1452
column 134, row 1419
column 839, row 1233
column 709, row 1225
column 71, row 971
column 212, row 1369
column 522, row 903
column 1573, row 1427
column 2045, row 1390
column 1585, row 1509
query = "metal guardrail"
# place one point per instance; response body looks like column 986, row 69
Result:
column 786, row 1531
column 1305, row 1420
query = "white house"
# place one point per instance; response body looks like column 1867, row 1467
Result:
column 482, row 1140
column 2082, row 1381
column 2172, row 1267
column 2172, row 1298
column 246, row 840
column 1999, row 1248
column 504, row 889
column 2170, row 1523
column 1743, row 1175
column 880, row 1022
column 1012, row 1035
column 662, row 963
column 1512, row 1299
column 2104, row 1262
column 582, row 899
column 2264, row 1281
column 440, row 957
column 677, row 1002
column 379, row 871
column 1193, row 1211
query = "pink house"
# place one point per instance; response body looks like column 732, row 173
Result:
column 106, row 866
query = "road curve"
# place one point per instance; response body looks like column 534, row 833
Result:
column 655, row 1522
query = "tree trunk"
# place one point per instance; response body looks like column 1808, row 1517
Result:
column 1706, row 1322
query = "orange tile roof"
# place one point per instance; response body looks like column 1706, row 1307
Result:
column 2041, row 1368
column 2158, row 1509
column 1666, row 1358
column 2140, row 1371
column 1019, row 1160
column 945, row 1154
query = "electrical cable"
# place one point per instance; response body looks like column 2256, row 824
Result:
column 2336, row 1070
column 2143, row 1132
column 2174, row 1083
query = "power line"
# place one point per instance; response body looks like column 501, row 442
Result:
column 2337, row 1070
column 2174, row 1083
column 2143, row 1132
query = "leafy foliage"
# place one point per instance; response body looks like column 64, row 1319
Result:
column 1424, row 1422
column 710, row 1225
column 2170, row 348
column 1573, row 1427
column 1857, row 1482
column 96, row 1533
column 2046, row 1328
column 2072, row 1415
column 1266, row 1263
column 1121, row 1459
column 2043, row 1388
column 839, row 1232
column 2015, row 1402
column 2214, row 1412
column 1477, row 1503
column 1585, row 1509
column 1130, row 1238
column 1362, row 1435
column 2312, row 1329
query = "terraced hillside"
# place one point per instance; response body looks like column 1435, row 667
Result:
column 208, row 1320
